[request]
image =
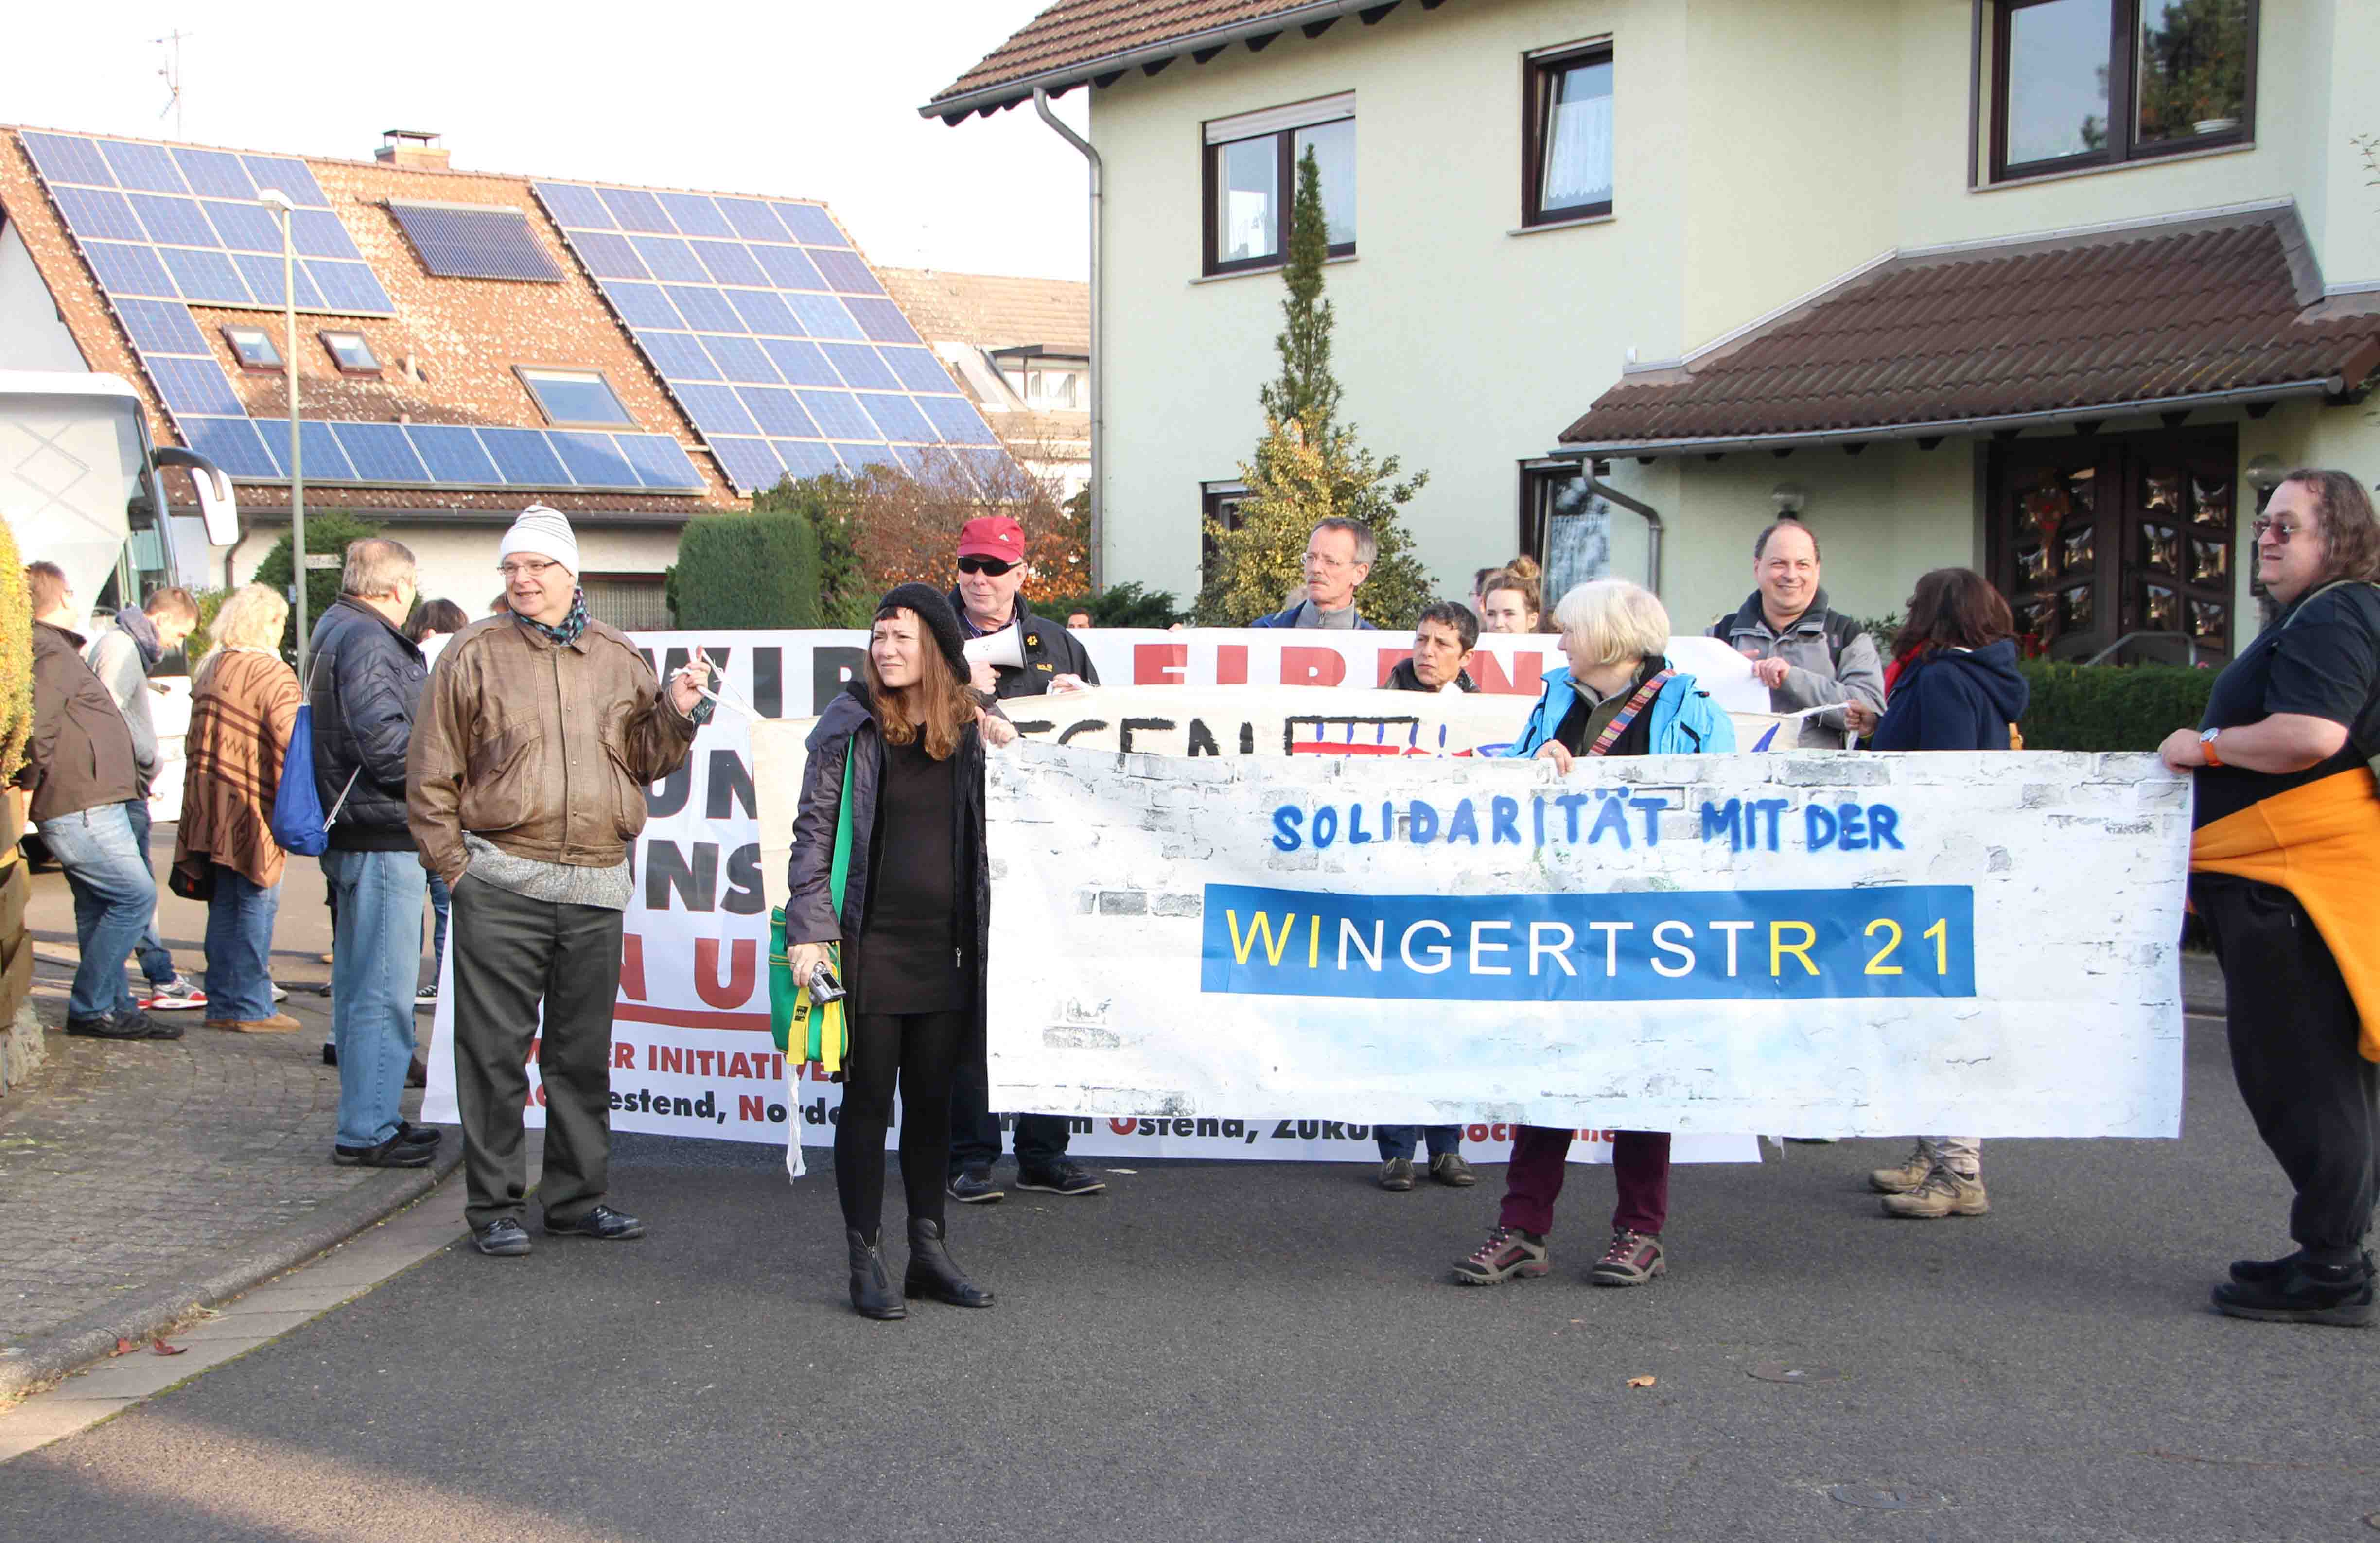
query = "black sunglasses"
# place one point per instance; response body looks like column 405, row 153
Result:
column 992, row 566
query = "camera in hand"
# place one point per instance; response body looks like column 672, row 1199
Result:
column 824, row 987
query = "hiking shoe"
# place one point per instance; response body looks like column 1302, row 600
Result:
column 503, row 1238
column 601, row 1222
column 972, row 1186
column 1632, row 1259
column 1448, row 1168
column 1944, row 1193
column 2262, row 1272
column 394, row 1152
column 1397, row 1173
column 1508, row 1252
column 1904, row 1176
column 2307, row 1293
column 177, row 995
column 134, row 1025
column 279, row 1023
column 1061, row 1177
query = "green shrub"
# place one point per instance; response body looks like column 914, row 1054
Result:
column 747, row 571
column 2110, row 706
column 15, row 664
column 329, row 531
column 1124, row 604
column 203, row 637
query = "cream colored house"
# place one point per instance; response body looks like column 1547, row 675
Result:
column 2040, row 286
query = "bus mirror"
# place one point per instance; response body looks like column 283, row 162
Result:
column 217, row 507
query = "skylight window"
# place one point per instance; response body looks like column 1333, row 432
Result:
column 351, row 353
column 574, row 396
column 253, row 347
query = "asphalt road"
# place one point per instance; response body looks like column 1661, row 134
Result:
column 1237, row 1352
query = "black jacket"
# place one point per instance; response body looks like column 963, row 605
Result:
column 1402, row 678
column 364, row 680
column 1049, row 649
column 849, row 725
column 1952, row 700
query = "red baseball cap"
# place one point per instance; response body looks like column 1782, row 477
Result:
column 992, row 536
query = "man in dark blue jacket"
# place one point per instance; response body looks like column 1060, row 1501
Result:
column 1339, row 557
column 363, row 683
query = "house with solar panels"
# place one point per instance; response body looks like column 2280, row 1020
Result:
column 2049, row 288
column 469, row 343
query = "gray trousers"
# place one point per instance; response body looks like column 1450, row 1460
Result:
column 510, row 952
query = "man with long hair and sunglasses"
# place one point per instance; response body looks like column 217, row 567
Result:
column 992, row 572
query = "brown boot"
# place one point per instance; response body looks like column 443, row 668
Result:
column 1944, row 1193
column 280, row 1023
column 1905, row 1175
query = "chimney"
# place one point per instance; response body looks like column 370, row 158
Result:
column 411, row 149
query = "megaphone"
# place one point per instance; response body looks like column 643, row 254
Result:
column 999, row 649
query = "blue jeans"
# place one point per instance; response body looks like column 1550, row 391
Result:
column 239, row 948
column 1398, row 1141
column 114, row 899
column 440, row 901
column 375, row 963
column 156, row 963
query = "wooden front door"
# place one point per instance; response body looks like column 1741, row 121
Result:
column 2098, row 539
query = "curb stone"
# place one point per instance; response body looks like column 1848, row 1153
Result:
column 27, row 1364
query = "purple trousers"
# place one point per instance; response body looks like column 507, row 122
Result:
column 1640, row 1165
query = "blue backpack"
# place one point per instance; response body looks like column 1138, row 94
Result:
column 298, row 824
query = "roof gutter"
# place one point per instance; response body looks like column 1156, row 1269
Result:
column 991, row 99
column 1098, row 354
column 1948, row 427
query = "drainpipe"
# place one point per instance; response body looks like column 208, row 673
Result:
column 1099, row 353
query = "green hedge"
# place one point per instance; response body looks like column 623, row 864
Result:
column 2110, row 706
column 738, row 571
column 328, row 530
column 1125, row 604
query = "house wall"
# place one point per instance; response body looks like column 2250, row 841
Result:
column 457, row 562
column 1764, row 149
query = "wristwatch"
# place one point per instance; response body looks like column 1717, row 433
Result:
column 2206, row 747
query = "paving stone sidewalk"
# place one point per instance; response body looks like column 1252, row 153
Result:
column 127, row 1166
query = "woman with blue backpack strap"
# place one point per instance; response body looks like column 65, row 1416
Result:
column 1619, row 696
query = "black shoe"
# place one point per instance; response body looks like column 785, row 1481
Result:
column 871, row 1285
column 132, row 1024
column 394, row 1152
column 329, row 1054
column 972, row 1186
column 932, row 1272
column 418, row 1136
column 504, row 1238
column 2305, row 1293
column 2264, row 1272
column 1061, row 1177
column 601, row 1222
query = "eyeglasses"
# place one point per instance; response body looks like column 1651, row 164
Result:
column 990, row 565
column 531, row 569
column 2281, row 533
column 1324, row 560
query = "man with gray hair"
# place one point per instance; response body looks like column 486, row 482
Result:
column 364, row 681
column 1339, row 556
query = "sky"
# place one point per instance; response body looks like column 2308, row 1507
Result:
column 802, row 100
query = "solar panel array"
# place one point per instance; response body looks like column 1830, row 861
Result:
column 459, row 241
column 773, row 336
column 165, row 227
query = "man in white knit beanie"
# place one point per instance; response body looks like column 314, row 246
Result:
column 536, row 738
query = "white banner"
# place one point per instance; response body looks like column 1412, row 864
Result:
column 1815, row 943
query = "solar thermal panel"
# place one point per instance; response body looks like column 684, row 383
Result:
column 660, row 461
column 99, row 213
column 525, row 457
column 750, row 464
column 263, row 276
column 838, row 415
column 172, row 222
column 193, row 385
column 474, row 243
column 128, row 270
column 283, row 175
column 162, row 327
column 147, row 167
column 918, row 370
column 245, row 227
column 846, row 272
column 810, row 225
column 381, row 453
column 883, row 321
column 214, row 172
column 594, row 461
column 232, row 443
column 576, row 207
column 72, row 158
column 642, row 305
column 677, row 356
column 898, row 417
column 956, row 420
column 454, row 454
column 694, row 214
column 206, row 277
column 800, row 363
column 774, row 410
column 859, row 366
column 740, row 359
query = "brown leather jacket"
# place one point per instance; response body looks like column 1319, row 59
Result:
column 544, row 749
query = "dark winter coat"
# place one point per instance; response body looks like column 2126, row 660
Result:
column 1954, row 699
column 364, row 681
column 1049, row 649
column 81, row 753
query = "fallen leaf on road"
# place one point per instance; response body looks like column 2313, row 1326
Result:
column 1640, row 1382
column 160, row 1347
column 122, row 1347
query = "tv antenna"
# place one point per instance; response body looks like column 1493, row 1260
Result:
column 172, row 71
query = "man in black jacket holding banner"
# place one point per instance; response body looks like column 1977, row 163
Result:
column 1011, row 652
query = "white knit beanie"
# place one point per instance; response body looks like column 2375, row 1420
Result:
column 541, row 532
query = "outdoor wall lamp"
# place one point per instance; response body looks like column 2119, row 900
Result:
column 1789, row 499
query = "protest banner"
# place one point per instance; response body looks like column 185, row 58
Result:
column 1808, row 943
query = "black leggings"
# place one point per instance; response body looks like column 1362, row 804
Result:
column 922, row 1049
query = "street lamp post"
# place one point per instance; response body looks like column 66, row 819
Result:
column 285, row 211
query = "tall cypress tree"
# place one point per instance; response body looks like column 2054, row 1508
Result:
column 1307, row 391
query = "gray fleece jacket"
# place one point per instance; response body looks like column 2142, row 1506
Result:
column 122, row 663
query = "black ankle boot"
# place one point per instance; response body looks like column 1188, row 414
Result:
column 872, row 1283
column 932, row 1273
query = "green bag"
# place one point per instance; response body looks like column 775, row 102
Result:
column 790, row 1008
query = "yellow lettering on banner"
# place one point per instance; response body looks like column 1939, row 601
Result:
column 1941, row 933
column 1779, row 947
column 1261, row 924
column 1892, row 941
column 1314, row 943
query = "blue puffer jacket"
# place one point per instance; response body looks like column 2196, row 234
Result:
column 1686, row 721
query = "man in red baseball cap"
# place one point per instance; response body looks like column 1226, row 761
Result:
column 1046, row 658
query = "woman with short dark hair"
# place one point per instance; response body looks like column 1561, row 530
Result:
column 906, row 742
column 2287, row 842
column 1952, row 686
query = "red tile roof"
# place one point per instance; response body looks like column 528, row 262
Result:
column 2139, row 317
column 991, row 310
